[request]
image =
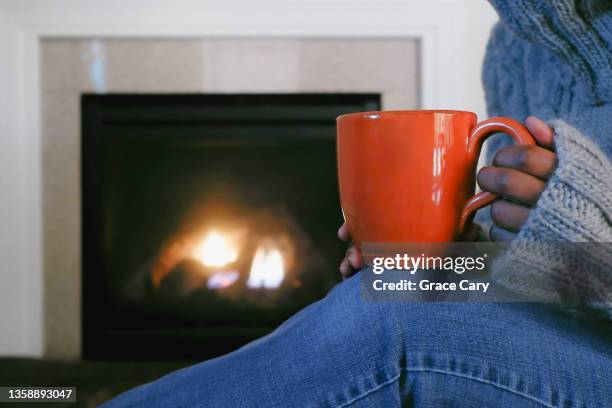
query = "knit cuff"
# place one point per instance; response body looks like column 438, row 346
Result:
column 575, row 206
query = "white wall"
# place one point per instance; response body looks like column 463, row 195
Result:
column 23, row 22
column 20, row 298
column 479, row 19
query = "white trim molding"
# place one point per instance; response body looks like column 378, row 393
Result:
column 451, row 35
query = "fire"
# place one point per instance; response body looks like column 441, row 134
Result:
column 216, row 250
column 222, row 279
column 220, row 249
column 267, row 269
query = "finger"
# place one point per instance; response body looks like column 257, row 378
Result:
column 353, row 255
column 498, row 234
column 533, row 160
column 343, row 233
column 541, row 132
column 511, row 183
column 508, row 215
column 345, row 268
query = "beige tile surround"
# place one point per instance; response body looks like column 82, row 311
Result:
column 71, row 67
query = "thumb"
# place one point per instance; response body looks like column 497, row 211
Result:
column 541, row 132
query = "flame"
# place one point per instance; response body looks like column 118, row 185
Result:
column 222, row 279
column 215, row 250
column 267, row 269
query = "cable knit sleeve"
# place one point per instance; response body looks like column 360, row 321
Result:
column 575, row 31
column 576, row 206
column 553, row 59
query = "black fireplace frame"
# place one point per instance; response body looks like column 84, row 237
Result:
column 315, row 113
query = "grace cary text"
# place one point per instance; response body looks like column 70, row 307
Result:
column 425, row 285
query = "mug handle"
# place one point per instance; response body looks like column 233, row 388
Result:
column 480, row 133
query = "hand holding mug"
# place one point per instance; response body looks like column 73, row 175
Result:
column 519, row 175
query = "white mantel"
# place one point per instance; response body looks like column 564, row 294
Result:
column 452, row 34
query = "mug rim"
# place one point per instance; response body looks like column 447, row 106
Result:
column 377, row 114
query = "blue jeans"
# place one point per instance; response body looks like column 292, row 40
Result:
column 346, row 352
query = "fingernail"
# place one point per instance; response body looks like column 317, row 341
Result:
column 354, row 259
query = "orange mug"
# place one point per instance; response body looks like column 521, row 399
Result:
column 409, row 176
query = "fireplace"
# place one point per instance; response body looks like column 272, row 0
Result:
column 207, row 219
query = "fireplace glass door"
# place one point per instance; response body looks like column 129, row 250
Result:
column 207, row 219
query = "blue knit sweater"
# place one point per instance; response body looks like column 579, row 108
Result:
column 553, row 59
